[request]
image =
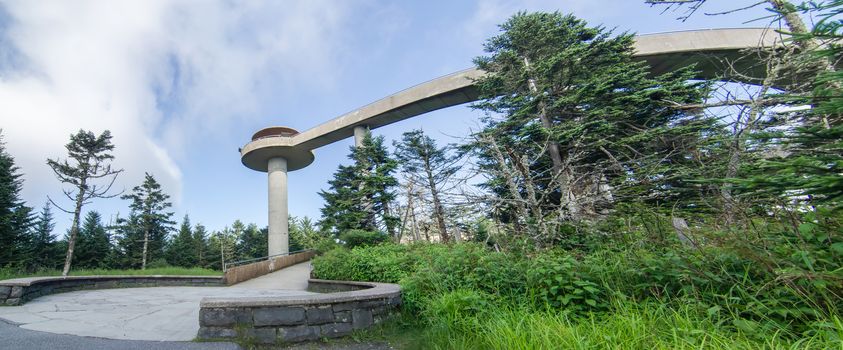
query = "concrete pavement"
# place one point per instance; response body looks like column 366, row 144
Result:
column 156, row 314
column 290, row 278
column 16, row 338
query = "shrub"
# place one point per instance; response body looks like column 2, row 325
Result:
column 333, row 265
column 384, row 263
column 158, row 263
column 555, row 281
column 325, row 245
column 361, row 238
column 726, row 282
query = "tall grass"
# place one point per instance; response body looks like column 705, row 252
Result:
column 629, row 326
column 465, row 296
column 6, row 273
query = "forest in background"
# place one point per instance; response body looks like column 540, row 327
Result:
column 613, row 208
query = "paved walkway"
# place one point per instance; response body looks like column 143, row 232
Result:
column 16, row 338
column 159, row 313
column 291, row 278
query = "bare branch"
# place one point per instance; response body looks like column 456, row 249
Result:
column 736, row 10
column 59, row 207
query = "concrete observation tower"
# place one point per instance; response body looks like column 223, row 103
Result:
column 273, row 150
column 277, row 150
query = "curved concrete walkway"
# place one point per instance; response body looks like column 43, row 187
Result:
column 289, row 278
column 158, row 313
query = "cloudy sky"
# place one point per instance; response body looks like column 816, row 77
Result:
column 183, row 84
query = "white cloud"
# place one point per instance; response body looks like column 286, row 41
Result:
column 490, row 13
column 158, row 74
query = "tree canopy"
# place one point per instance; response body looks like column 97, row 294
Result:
column 15, row 216
column 574, row 122
column 360, row 193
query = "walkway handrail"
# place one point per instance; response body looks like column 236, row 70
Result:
column 225, row 266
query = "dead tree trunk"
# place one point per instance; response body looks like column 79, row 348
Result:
column 507, row 174
column 563, row 176
column 439, row 211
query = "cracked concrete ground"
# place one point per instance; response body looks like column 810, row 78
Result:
column 158, row 313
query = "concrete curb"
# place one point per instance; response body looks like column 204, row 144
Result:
column 18, row 291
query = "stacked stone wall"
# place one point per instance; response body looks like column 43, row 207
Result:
column 284, row 320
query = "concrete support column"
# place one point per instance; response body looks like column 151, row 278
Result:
column 278, row 224
column 359, row 134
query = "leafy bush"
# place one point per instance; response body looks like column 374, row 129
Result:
column 385, row 263
column 722, row 281
column 325, row 245
column 555, row 281
column 362, row 238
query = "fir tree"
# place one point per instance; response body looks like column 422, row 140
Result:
column 200, row 245
column 91, row 157
column 182, row 249
column 15, row 217
column 129, row 242
column 812, row 166
column 360, row 194
column 429, row 166
column 252, row 243
column 574, row 121
column 222, row 248
column 94, row 243
column 151, row 220
column 303, row 234
column 42, row 245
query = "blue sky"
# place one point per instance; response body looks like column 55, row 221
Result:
column 183, row 84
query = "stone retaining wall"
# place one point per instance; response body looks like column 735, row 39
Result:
column 274, row 320
column 19, row 291
column 237, row 274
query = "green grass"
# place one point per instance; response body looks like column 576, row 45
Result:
column 463, row 296
column 645, row 326
column 168, row 271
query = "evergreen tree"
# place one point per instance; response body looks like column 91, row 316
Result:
column 42, row 245
column 151, row 220
column 90, row 156
column 812, row 166
column 15, row 217
column 222, row 248
column 303, row 234
column 574, row 122
column 429, row 166
column 296, row 242
column 182, row 249
column 94, row 243
column 200, row 245
column 361, row 193
column 129, row 246
column 252, row 243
